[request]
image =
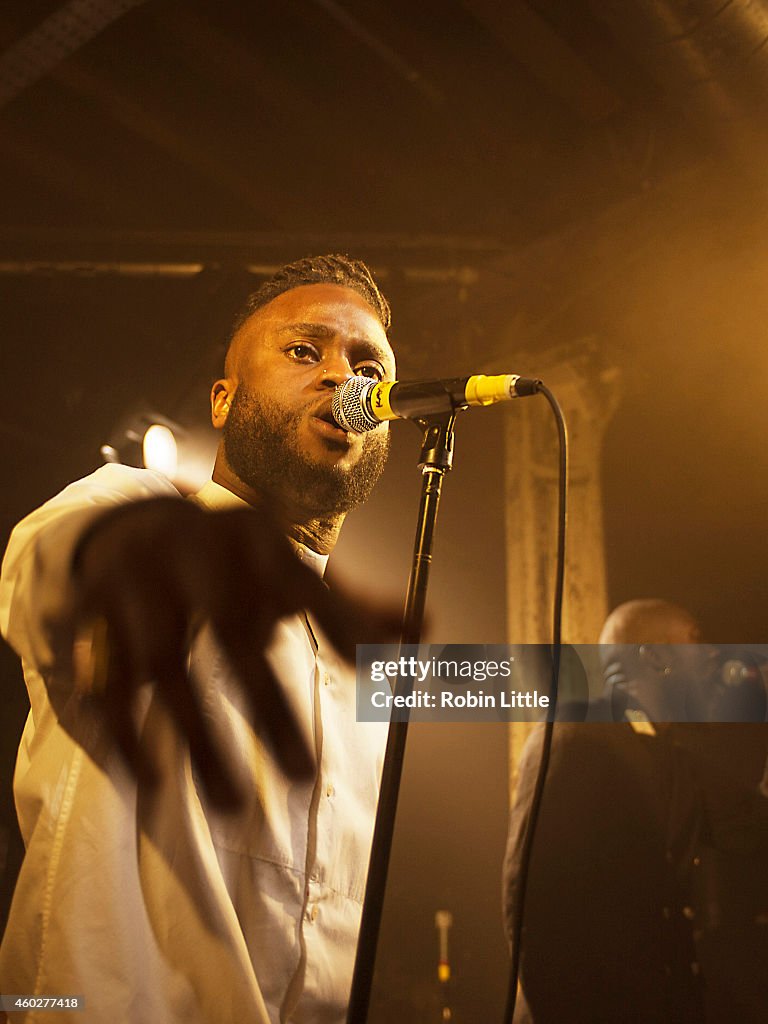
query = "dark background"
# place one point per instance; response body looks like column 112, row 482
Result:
column 527, row 178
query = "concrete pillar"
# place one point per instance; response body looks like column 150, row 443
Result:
column 588, row 393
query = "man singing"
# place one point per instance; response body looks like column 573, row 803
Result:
column 195, row 795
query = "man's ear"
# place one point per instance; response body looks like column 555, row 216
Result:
column 222, row 393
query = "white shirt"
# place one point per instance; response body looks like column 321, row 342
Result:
column 159, row 909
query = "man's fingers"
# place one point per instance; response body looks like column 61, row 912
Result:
column 271, row 713
column 279, row 584
column 270, row 582
column 282, row 732
column 178, row 693
column 347, row 622
column 112, row 696
column 159, row 655
column 119, row 719
column 162, row 661
column 265, row 575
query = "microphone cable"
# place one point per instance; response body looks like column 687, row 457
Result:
column 518, row 911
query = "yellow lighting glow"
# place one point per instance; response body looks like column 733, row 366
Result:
column 159, row 450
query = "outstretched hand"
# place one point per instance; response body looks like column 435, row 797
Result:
column 149, row 574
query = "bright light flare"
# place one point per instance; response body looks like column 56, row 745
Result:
column 159, row 450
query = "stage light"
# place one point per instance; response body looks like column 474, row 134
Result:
column 146, row 440
column 150, row 440
column 159, row 450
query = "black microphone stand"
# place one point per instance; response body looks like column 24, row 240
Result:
column 435, row 460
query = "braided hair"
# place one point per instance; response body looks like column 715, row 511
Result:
column 331, row 269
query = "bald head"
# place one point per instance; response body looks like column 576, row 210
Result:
column 653, row 659
column 650, row 621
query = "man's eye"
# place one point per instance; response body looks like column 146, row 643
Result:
column 302, row 352
column 370, row 370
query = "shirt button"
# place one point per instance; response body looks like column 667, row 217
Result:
column 326, row 679
column 313, row 913
column 329, row 790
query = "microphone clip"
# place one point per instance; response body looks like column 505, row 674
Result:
column 437, row 443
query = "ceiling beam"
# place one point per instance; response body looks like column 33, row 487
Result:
column 416, row 258
column 57, row 37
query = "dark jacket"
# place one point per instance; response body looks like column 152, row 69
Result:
column 611, row 905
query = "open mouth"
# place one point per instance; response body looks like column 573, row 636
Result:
column 327, row 417
column 330, row 429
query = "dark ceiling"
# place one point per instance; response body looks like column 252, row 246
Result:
column 526, row 169
column 477, row 122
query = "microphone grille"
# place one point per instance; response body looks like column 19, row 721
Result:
column 350, row 405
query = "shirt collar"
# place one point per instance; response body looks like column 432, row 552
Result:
column 213, row 496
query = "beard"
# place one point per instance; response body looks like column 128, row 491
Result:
column 262, row 445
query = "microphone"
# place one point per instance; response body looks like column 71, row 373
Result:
column 360, row 404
